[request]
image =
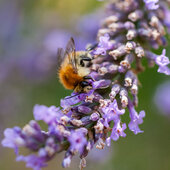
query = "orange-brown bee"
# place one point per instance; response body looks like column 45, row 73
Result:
column 74, row 68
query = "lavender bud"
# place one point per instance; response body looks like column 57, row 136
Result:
column 136, row 15
column 145, row 32
column 139, row 52
column 84, row 109
column 94, row 116
column 103, row 70
column 64, row 120
column 134, row 88
column 124, row 97
column 109, row 20
column 114, row 91
column 77, row 123
column 129, row 78
column 100, row 144
column 129, row 25
column 130, row 45
column 99, row 127
column 102, row 32
column 66, row 162
column 82, row 163
column 118, row 52
column 131, row 34
column 85, row 120
column 114, row 27
column 126, row 63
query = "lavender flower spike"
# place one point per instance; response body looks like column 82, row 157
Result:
column 130, row 31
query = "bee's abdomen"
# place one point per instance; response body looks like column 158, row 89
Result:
column 68, row 77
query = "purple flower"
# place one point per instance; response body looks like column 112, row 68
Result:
column 94, row 116
column 33, row 135
column 136, row 119
column 165, row 70
column 151, row 4
column 13, row 139
column 162, row 61
column 101, row 84
column 112, row 112
column 84, row 109
column 118, row 130
column 32, row 161
column 77, row 141
column 66, row 162
column 70, row 100
column 103, row 46
column 162, row 98
column 47, row 114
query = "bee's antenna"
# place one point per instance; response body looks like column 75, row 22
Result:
column 91, row 47
column 72, row 96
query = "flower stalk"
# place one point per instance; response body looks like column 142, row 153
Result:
column 128, row 34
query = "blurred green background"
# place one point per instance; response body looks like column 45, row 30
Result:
column 30, row 33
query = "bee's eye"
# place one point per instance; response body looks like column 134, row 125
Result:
column 85, row 59
column 82, row 63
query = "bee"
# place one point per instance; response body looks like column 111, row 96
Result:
column 74, row 68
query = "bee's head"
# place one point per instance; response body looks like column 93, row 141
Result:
column 85, row 59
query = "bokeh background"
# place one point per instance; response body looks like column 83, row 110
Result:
column 30, row 33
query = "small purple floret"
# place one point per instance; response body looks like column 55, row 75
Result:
column 103, row 46
column 77, row 141
column 118, row 131
column 32, row 161
column 136, row 119
column 162, row 61
column 47, row 114
column 151, row 4
column 70, row 100
column 112, row 112
column 94, row 116
column 13, row 138
column 101, row 84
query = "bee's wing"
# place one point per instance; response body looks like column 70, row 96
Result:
column 60, row 57
column 71, row 53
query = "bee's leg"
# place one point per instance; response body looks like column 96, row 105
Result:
column 88, row 78
column 85, row 83
column 86, row 86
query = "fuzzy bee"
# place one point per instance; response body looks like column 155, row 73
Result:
column 74, row 68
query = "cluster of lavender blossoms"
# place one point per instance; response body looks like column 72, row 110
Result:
column 130, row 31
